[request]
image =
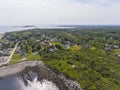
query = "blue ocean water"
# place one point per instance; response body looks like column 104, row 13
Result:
column 4, row 29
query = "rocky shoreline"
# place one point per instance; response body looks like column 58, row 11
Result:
column 44, row 73
column 16, row 68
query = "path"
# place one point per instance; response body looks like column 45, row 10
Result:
column 13, row 51
column 9, row 58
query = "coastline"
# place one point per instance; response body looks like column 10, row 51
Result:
column 43, row 72
column 16, row 68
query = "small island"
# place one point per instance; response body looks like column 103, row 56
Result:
column 28, row 26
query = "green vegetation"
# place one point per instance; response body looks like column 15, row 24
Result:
column 75, row 48
column 88, row 55
column 92, row 68
column 15, row 59
column 16, row 56
column 30, row 56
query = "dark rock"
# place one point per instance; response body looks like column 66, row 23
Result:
column 44, row 72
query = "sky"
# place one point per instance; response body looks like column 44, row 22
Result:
column 82, row 12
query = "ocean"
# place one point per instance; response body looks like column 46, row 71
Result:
column 16, row 83
column 4, row 29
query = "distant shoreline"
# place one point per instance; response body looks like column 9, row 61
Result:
column 4, row 29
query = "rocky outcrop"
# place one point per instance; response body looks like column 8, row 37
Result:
column 16, row 68
column 27, row 70
column 43, row 72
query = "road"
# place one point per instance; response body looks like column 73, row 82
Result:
column 13, row 51
column 1, row 35
column 9, row 58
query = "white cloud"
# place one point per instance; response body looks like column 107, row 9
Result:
column 59, row 12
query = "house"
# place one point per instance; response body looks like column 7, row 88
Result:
column 54, row 40
column 1, row 52
column 67, row 46
column 7, row 37
column 8, row 49
column 6, row 53
column 116, row 46
column 37, row 40
column 17, row 50
column 86, row 46
column 59, row 40
column 3, row 59
column 44, row 43
column 35, row 53
column 108, row 48
column 22, row 54
column 43, row 35
column 51, row 49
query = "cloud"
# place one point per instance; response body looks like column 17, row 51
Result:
column 59, row 12
column 98, row 2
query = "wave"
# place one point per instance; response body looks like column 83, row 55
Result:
column 16, row 83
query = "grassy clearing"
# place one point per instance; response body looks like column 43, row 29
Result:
column 16, row 58
column 30, row 56
column 14, row 62
column 60, row 65
column 117, row 51
column 75, row 48
column 92, row 48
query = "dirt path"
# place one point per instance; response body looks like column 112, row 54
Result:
column 9, row 57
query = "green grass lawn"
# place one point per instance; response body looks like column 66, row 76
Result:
column 75, row 48
column 117, row 51
column 92, row 48
column 15, row 58
column 30, row 56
